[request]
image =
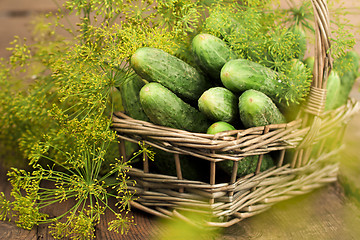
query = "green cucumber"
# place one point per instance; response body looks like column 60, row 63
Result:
column 211, row 53
column 219, row 127
column 297, row 78
column 240, row 75
column 247, row 165
column 347, row 67
column 129, row 90
column 156, row 65
column 333, row 87
column 300, row 37
column 342, row 79
column 309, row 63
column 219, row 104
column 257, row 109
column 163, row 107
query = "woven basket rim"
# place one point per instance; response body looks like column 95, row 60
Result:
column 226, row 146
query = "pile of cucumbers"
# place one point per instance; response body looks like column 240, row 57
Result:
column 222, row 92
column 223, row 88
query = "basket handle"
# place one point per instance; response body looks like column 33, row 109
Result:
column 323, row 62
column 315, row 103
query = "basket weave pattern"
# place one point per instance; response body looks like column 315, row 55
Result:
column 239, row 198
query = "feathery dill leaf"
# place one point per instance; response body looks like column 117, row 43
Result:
column 83, row 184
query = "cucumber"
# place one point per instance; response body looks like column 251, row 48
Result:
column 163, row 107
column 257, row 109
column 333, row 85
column 219, row 127
column 247, row 165
column 333, row 90
column 129, row 90
column 347, row 67
column 219, row 104
column 156, row 65
column 280, row 46
column 309, row 63
column 300, row 37
column 240, row 75
column 341, row 79
column 297, row 78
column 211, row 53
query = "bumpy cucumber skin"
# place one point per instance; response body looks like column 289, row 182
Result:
column 163, row 107
column 257, row 109
column 219, row 104
column 247, row 165
column 333, row 87
column 129, row 91
column 211, row 53
column 240, row 75
column 156, row 65
column 219, row 127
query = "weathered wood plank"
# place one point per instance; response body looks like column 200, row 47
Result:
column 44, row 233
column 145, row 226
column 323, row 214
column 53, row 210
column 9, row 231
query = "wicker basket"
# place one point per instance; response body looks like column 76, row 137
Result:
column 304, row 141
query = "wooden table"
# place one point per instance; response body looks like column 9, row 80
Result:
column 323, row 214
